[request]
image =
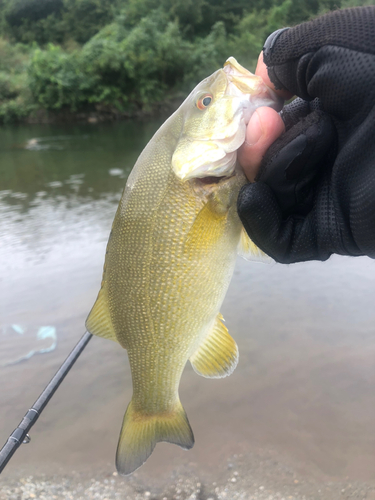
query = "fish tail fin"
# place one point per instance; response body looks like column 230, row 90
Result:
column 141, row 432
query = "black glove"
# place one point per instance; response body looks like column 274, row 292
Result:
column 315, row 191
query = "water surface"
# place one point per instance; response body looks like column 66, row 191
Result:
column 304, row 390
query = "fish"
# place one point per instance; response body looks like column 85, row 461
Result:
column 171, row 255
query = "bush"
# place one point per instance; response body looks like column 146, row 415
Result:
column 19, row 10
column 15, row 110
column 14, row 58
column 255, row 26
column 206, row 55
column 55, row 21
column 126, row 69
column 56, row 80
column 15, row 97
column 127, row 55
column 8, row 87
column 82, row 19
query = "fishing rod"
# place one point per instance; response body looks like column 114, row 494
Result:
column 20, row 434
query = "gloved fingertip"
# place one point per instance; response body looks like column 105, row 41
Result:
column 261, row 217
column 294, row 111
column 270, row 43
column 268, row 49
column 247, row 196
column 257, row 206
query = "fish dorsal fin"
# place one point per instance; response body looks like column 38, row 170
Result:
column 99, row 320
column 249, row 251
column 217, row 356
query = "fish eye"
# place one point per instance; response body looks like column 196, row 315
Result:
column 204, row 101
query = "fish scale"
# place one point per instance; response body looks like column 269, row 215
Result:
column 170, row 258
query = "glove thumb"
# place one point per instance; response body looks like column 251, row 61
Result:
column 277, row 210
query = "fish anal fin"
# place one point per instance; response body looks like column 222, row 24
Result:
column 99, row 320
column 249, row 251
column 140, row 433
column 217, row 356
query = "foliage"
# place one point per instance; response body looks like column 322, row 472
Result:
column 15, row 98
column 356, row 3
column 82, row 19
column 206, row 55
column 55, row 78
column 255, row 26
column 127, row 69
column 56, row 21
column 18, row 10
column 127, row 55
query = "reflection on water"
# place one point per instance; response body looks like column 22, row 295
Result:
column 52, row 142
column 304, row 387
column 51, row 196
column 25, row 343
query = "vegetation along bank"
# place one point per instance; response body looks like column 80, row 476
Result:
column 97, row 60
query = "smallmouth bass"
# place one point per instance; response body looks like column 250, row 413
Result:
column 171, row 254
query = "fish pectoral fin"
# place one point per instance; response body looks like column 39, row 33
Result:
column 140, row 433
column 249, row 251
column 99, row 320
column 217, row 356
column 206, row 230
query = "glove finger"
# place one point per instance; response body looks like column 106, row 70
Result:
column 296, row 110
column 291, row 165
column 327, row 57
column 293, row 240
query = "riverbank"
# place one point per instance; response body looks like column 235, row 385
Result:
column 95, row 61
column 104, row 114
column 257, row 476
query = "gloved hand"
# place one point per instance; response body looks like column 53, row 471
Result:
column 315, row 191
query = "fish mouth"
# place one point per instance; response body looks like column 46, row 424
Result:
column 244, row 81
column 213, row 179
column 241, row 82
column 210, row 179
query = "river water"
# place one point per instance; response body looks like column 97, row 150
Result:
column 301, row 402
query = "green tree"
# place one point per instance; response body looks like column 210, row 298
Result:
column 122, row 56
column 84, row 18
column 19, row 10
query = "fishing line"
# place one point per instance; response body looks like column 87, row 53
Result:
column 20, row 434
